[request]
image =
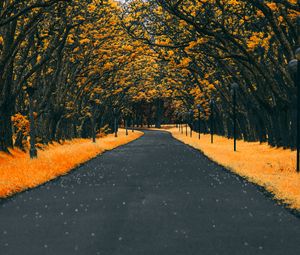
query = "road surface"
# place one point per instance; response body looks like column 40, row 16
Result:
column 154, row 196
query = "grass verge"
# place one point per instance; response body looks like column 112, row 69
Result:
column 18, row 172
column 271, row 168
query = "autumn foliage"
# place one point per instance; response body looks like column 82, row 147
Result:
column 70, row 68
column 205, row 46
column 90, row 61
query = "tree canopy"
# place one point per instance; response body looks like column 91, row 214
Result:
column 146, row 61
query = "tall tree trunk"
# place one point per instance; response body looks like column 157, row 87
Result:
column 6, row 140
column 19, row 141
column 159, row 113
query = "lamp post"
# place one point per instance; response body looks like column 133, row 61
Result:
column 212, row 104
column 177, row 120
column 115, row 122
column 132, row 122
column 32, row 150
column 199, row 107
column 294, row 67
column 181, row 120
column 191, row 115
column 234, row 87
column 93, row 104
column 126, row 124
column 186, row 123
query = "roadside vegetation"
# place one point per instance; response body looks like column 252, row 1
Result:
column 266, row 166
column 69, row 68
column 18, row 172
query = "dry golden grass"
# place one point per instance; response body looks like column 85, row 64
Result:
column 272, row 168
column 18, row 172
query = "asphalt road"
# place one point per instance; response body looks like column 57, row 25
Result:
column 154, row 196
